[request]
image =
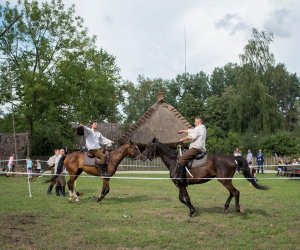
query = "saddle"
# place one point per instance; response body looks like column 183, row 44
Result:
column 90, row 160
column 199, row 161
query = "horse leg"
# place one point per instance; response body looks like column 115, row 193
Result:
column 185, row 199
column 105, row 189
column 233, row 192
column 72, row 193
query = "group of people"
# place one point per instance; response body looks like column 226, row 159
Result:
column 282, row 165
column 60, row 182
column 29, row 166
column 260, row 160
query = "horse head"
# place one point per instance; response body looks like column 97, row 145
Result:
column 133, row 150
column 150, row 151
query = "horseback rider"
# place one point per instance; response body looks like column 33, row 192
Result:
column 94, row 141
column 197, row 137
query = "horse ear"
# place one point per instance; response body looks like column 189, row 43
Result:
column 131, row 142
column 155, row 140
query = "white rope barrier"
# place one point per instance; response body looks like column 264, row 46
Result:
column 151, row 178
column 29, row 176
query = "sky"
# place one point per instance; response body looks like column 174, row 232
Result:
column 147, row 37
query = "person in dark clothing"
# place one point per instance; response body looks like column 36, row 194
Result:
column 260, row 162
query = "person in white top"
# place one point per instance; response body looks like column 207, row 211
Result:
column 61, row 180
column 197, row 137
column 51, row 164
column 94, row 141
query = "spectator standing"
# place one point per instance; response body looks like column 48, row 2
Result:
column 61, row 180
column 29, row 167
column 38, row 167
column 10, row 164
column 237, row 152
column 51, row 164
column 260, row 162
column 249, row 157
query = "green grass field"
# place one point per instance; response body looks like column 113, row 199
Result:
column 146, row 214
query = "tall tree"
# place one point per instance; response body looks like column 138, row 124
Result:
column 257, row 52
column 223, row 77
column 37, row 54
column 285, row 88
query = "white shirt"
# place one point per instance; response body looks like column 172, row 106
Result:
column 198, row 137
column 249, row 157
column 51, row 160
column 94, row 139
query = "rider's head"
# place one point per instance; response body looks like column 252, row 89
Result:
column 198, row 121
column 94, row 124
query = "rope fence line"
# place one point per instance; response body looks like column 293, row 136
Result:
column 134, row 165
column 147, row 178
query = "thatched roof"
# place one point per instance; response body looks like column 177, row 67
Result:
column 7, row 145
column 162, row 121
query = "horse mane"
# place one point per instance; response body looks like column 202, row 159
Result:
column 173, row 153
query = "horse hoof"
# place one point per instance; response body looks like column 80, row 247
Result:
column 193, row 212
column 99, row 200
column 240, row 210
column 226, row 210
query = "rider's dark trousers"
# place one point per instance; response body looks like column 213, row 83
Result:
column 99, row 154
column 188, row 155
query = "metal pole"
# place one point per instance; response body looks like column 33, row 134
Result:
column 13, row 122
column 184, row 51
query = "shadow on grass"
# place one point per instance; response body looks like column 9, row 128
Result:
column 122, row 199
column 247, row 214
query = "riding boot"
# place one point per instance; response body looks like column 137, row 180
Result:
column 50, row 189
column 57, row 189
column 181, row 175
column 63, row 190
column 103, row 169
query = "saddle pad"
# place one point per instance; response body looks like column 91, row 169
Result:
column 199, row 163
column 90, row 161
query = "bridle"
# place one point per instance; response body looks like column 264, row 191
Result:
column 135, row 147
column 152, row 154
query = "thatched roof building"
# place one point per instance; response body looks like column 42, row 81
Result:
column 161, row 120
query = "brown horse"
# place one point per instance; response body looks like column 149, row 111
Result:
column 74, row 164
column 218, row 166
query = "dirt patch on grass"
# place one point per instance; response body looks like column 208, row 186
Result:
column 18, row 230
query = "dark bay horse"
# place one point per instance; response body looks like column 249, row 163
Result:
column 74, row 164
column 218, row 166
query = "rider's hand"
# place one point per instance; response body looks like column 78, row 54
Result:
column 180, row 132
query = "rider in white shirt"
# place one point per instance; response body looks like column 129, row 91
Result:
column 197, row 137
column 94, row 141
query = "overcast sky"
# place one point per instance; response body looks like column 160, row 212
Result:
column 147, row 36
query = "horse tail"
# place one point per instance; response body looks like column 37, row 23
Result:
column 60, row 166
column 244, row 166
